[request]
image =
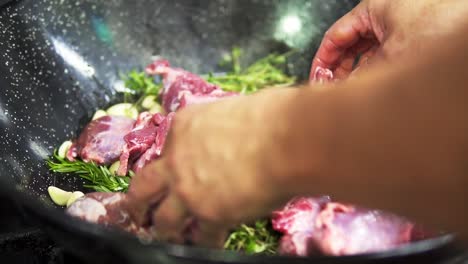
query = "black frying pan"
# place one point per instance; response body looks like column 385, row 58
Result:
column 60, row 61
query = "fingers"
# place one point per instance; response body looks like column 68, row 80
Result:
column 171, row 219
column 341, row 35
column 365, row 48
column 153, row 202
column 209, row 235
column 365, row 60
column 337, row 44
column 146, row 190
column 173, row 223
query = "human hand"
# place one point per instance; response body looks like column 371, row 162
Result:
column 214, row 172
column 384, row 30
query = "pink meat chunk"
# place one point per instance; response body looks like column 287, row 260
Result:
column 137, row 141
column 295, row 221
column 158, row 118
column 144, row 119
column 102, row 140
column 156, row 148
column 347, row 230
column 297, row 215
column 107, row 209
column 182, row 88
column 319, row 226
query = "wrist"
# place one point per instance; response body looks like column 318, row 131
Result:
column 298, row 126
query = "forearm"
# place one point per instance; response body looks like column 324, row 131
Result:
column 393, row 139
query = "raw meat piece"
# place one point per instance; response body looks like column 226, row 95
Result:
column 158, row 118
column 297, row 215
column 163, row 129
column 155, row 150
column 107, row 209
column 180, row 85
column 145, row 141
column 149, row 155
column 144, row 119
column 312, row 226
column 296, row 222
column 102, row 140
column 347, row 230
column 322, row 75
column 137, row 141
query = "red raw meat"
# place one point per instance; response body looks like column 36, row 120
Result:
column 295, row 221
column 318, row 226
column 346, row 230
column 158, row 118
column 102, row 140
column 107, row 209
column 144, row 119
column 297, row 215
column 183, row 88
column 137, row 141
column 155, row 150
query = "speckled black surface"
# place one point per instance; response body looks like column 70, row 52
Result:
column 60, row 61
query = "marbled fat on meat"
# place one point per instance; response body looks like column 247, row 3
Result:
column 319, row 226
column 107, row 209
column 296, row 222
column 297, row 215
column 347, row 230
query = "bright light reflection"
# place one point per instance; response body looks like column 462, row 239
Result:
column 3, row 116
column 72, row 58
column 291, row 24
column 38, row 149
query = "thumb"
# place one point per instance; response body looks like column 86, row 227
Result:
column 347, row 32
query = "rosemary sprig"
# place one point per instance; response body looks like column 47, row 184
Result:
column 141, row 83
column 265, row 72
column 99, row 178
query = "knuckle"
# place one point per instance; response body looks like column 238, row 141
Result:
column 171, row 165
column 210, row 214
column 183, row 195
column 205, row 209
column 171, row 159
